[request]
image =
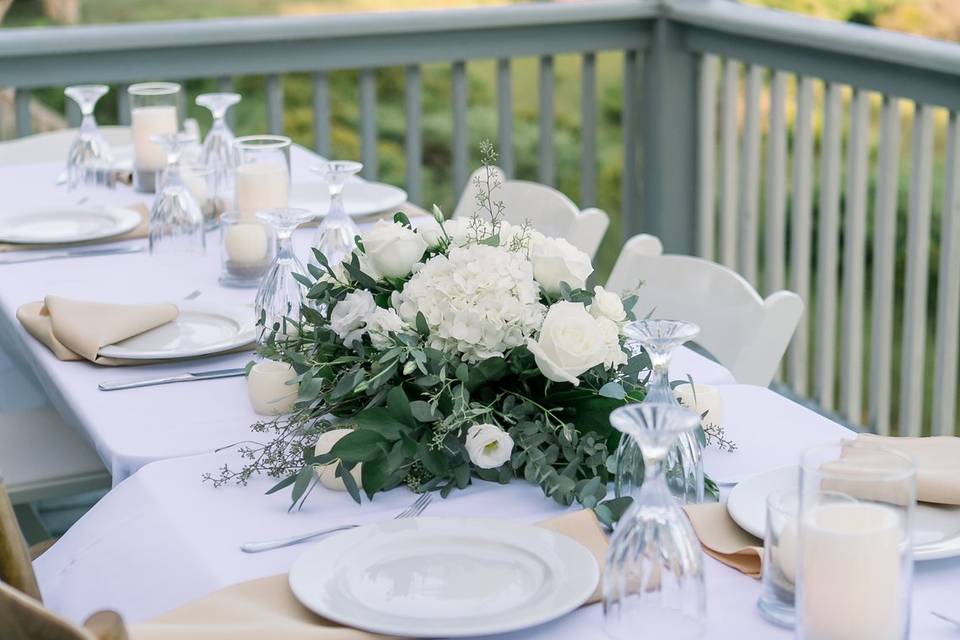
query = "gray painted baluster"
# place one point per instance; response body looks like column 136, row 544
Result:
column 274, row 104
column 884, row 262
column 800, row 228
column 321, row 114
column 729, row 212
column 505, row 117
column 707, row 156
column 918, row 257
column 461, row 133
column 588, row 131
column 776, row 205
column 827, row 246
column 72, row 113
column 854, row 259
column 414, row 137
column 123, row 105
column 21, row 99
column 631, row 130
column 750, row 175
column 948, row 295
column 546, row 171
column 368, row 123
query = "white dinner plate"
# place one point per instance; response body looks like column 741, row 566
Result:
column 360, row 197
column 438, row 577
column 59, row 225
column 200, row 329
column 936, row 528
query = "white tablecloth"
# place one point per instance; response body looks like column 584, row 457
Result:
column 161, row 538
column 132, row 428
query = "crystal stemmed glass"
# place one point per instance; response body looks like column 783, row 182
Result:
column 684, row 464
column 218, row 151
column 653, row 579
column 176, row 221
column 280, row 295
column 89, row 161
column 335, row 236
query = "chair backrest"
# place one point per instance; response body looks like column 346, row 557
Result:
column 16, row 569
column 744, row 332
column 548, row 210
column 53, row 146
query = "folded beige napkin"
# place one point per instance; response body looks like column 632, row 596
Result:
column 938, row 464
column 76, row 330
column 140, row 231
column 723, row 540
column 266, row 608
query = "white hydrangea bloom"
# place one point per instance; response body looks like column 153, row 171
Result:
column 479, row 301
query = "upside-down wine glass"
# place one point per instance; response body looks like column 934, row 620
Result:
column 218, row 151
column 336, row 235
column 280, row 296
column 684, row 464
column 653, row 579
column 176, row 221
column 90, row 160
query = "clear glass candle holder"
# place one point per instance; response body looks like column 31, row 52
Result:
column 247, row 249
column 776, row 602
column 262, row 176
column 200, row 179
column 153, row 112
column 855, row 557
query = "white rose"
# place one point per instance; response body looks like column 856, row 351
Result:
column 429, row 229
column 488, row 445
column 610, row 331
column 350, row 314
column 607, row 304
column 393, row 249
column 555, row 260
column 571, row 341
column 380, row 324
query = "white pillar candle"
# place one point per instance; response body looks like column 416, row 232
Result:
column 197, row 185
column 145, row 123
column 327, row 473
column 260, row 186
column 701, row 399
column 267, row 387
column 851, row 573
column 246, row 244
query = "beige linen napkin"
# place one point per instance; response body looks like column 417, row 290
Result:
column 265, row 608
column 723, row 540
column 75, row 330
column 938, row 464
column 140, row 231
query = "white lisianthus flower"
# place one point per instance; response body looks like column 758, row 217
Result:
column 607, row 304
column 555, row 260
column 380, row 324
column 393, row 249
column 478, row 301
column 610, row 331
column 488, row 446
column 351, row 314
column 571, row 341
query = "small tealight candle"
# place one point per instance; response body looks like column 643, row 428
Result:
column 246, row 244
column 327, row 473
column 703, row 399
column 260, row 186
column 268, row 388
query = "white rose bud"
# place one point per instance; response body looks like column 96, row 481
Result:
column 571, row 342
column 610, row 331
column 380, row 324
column 488, row 446
column 393, row 249
column 607, row 304
column 438, row 214
column 555, row 260
column 350, row 315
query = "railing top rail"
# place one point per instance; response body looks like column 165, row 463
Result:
column 34, row 41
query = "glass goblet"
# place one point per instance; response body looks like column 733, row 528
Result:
column 280, row 296
column 176, row 221
column 218, row 151
column 685, row 462
column 654, row 574
column 90, row 160
column 335, row 237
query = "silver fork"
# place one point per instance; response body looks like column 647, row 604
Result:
column 412, row 511
column 947, row 618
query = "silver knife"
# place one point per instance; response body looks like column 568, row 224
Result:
column 71, row 253
column 183, row 377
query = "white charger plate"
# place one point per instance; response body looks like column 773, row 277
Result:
column 360, row 197
column 59, row 225
column 200, row 329
column 936, row 528
column 439, row 577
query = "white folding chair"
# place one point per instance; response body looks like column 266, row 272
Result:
column 53, row 146
column 745, row 333
column 548, row 211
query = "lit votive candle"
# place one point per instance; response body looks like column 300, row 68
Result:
column 145, row 123
column 268, row 388
column 327, row 473
column 260, row 186
column 851, row 573
column 702, row 399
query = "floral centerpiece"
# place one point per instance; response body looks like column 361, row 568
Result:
column 454, row 349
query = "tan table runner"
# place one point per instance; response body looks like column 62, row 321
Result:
column 140, row 231
column 266, row 608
